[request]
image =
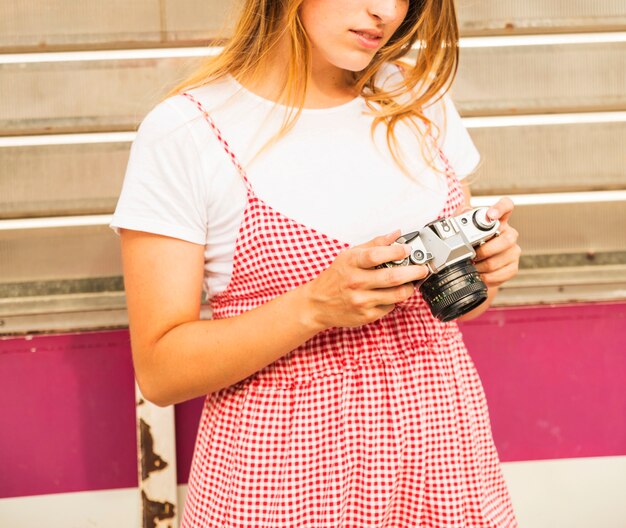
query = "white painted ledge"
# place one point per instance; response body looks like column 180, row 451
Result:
column 568, row 493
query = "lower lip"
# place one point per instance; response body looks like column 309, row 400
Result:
column 369, row 43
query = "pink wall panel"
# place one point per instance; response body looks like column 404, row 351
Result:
column 187, row 418
column 554, row 378
column 67, row 414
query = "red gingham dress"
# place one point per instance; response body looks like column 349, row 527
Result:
column 384, row 425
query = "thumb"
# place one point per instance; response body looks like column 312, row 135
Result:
column 501, row 210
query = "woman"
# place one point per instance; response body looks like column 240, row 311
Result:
column 334, row 397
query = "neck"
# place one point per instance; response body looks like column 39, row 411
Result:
column 328, row 85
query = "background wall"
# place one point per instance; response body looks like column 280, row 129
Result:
column 554, row 378
column 542, row 89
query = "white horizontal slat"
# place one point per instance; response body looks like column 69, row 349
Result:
column 23, row 224
column 209, row 50
column 55, row 222
column 554, row 198
column 469, row 122
column 67, row 139
column 555, row 39
column 108, row 55
column 541, row 119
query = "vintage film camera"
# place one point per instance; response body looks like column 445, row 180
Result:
column 446, row 247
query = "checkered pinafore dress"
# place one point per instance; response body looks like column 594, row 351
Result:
column 384, row 425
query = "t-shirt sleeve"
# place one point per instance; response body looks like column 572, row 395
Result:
column 163, row 190
column 456, row 142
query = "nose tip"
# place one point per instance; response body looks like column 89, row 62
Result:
column 385, row 10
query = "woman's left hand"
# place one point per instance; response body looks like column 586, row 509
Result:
column 497, row 260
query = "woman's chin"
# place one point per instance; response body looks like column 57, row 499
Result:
column 357, row 64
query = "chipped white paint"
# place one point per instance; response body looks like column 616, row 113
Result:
column 156, row 456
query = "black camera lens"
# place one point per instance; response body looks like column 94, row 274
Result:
column 454, row 291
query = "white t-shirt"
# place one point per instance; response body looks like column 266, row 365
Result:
column 327, row 172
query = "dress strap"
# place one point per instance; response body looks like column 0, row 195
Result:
column 446, row 163
column 220, row 138
column 456, row 194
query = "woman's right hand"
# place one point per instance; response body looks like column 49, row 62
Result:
column 353, row 292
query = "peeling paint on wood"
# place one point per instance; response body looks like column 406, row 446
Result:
column 156, row 446
column 150, row 461
column 155, row 511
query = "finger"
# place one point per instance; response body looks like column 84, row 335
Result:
column 499, row 261
column 370, row 257
column 501, row 210
column 391, row 296
column 381, row 310
column 500, row 276
column 392, row 277
column 506, row 239
column 382, row 240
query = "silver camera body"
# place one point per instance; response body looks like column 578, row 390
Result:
column 446, row 247
column 448, row 240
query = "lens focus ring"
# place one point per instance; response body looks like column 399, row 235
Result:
column 454, row 291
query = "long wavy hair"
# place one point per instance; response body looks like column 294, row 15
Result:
column 430, row 28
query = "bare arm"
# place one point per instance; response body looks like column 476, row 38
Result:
column 179, row 357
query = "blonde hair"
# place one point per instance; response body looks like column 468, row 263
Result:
column 263, row 23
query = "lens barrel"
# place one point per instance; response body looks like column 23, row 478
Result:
column 454, row 291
